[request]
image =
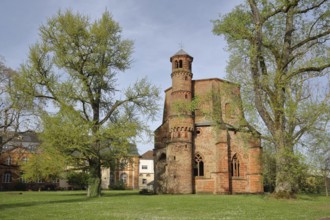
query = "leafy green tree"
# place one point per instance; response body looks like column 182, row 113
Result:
column 78, row 180
column 318, row 142
column 279, row 49
column 44, row 165
column 269, row 168
column 71, row 75
column 13, row 112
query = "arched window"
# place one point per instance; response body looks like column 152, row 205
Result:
column 199, row 165
column 123, row 178
column 180, row 64
column 176, row 64
column 235, row 166
column 7, row 177
column 162, row 157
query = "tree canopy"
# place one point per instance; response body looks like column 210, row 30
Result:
column 13, row 110
column 279, row 52
column 71, row 74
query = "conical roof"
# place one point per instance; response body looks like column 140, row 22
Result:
column 181, row 52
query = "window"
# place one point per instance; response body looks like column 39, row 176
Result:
column 144, row 167
column 162, row 157
column 235, row 166
column 123, row 178
column 199, row 165
column 6, row 177
column 180, row 64
column 176, row 64
column 39, row 180
column 22, row 178
column 144, row 181
column 8, row 160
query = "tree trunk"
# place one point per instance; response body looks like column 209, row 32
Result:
column 283, row 184
column 326, row 185
column 94, row 181
column 285, row 172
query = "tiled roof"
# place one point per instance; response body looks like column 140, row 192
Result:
column 149, row 155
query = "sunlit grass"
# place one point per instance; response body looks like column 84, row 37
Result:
column 131, row 205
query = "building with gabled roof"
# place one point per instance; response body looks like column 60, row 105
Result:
column 146, row 171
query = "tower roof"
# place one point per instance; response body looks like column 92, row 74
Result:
column 181, row 52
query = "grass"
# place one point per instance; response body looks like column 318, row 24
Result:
column 131, row 205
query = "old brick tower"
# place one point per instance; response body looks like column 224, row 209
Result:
column 209, row 148
column 181, row 126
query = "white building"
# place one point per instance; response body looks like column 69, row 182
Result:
column 146, row 171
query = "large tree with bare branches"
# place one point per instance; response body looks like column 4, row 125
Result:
column 71, row 73
column 279, row 50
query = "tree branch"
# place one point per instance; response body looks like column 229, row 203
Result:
column 301, row 43
column 256, row 44
column 312, row 7
column 308, row 69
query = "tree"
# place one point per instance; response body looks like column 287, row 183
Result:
column 13, row 110
column 319, row 152
column 74, row 70
column 284, row 46
column 43, row 165
column 79, row 180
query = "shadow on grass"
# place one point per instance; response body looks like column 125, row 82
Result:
column 67, row 194
column 115, row 193
column 37, row 203
column 104, row 193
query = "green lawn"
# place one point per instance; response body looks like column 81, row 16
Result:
column 131, row 205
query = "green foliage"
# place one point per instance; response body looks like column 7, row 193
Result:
column 71, row 76
column 312, row 184
column 15, row 112
column 120, row 185
column 184, row 107
column 319, row 152
column 269, row 169
column 279, row 55
column 44, row 165
column 78, row 180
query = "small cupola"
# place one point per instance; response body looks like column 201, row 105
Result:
column 181, row 60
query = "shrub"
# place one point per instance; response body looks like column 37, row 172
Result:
column 78, row 180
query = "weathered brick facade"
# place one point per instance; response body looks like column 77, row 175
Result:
column 206, row 147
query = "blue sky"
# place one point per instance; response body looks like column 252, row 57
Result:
column 157, row 27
